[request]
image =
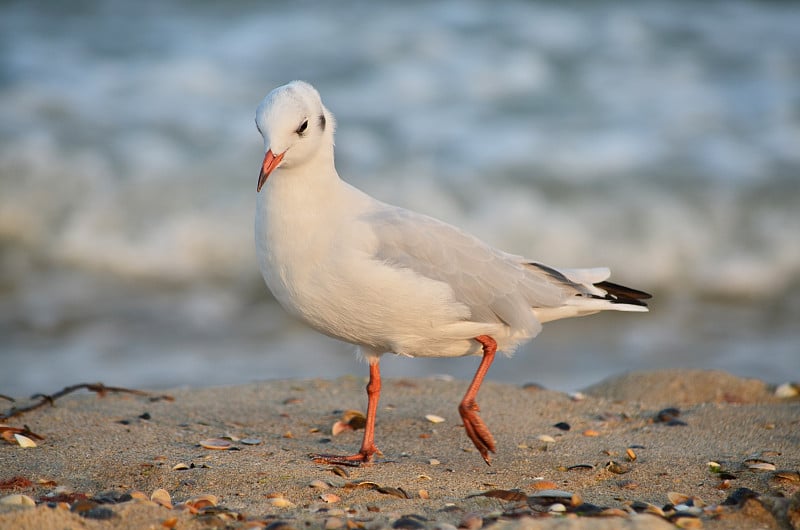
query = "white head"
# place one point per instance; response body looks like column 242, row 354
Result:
column 296, row 127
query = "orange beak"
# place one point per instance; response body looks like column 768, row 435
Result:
column 271, row 161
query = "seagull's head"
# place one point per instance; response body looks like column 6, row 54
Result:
column 295, row 125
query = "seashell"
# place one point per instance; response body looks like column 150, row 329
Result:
column 423, row 494
column 562, row 425
column 685, row 521
column 546, row 438
column 424, row 477
column 553, row 496
column 678, row 498
column 319, row 484
column 761, row 466
column 251, row 441
column 281, row 502
column 330, row 497
column 24, row 441
column 202, row 501
column 17, row 500
column 433, row 418
column 630, row 454
column 333, row 523
column 339, row 427
column 613, row 512
column 557, row 508
column 355, row 418
column 434, row 462
column 162, row 497
column 787, row 390
column 139, row 496
column 667, row 415
column 591, row 432
column 219, row 444
column 180, row 467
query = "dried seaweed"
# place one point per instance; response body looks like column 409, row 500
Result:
column 100, row 389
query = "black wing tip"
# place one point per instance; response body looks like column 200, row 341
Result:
column 621, row 294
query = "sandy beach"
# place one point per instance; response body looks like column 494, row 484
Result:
column 606, row 459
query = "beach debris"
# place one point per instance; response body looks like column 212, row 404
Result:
column 40, row 400
column 786, row 481
column 9, row 434
column 787, row 390
column 340, row 471
column 279, row 501
column 433, row 418
column 200, row 502
column 250, row 441
column 580, row 467
column 544, row 485
column 17, row 499
column 617, row 468
column 548, row 497
column 14, row 483
column 350, row 420
column 330, row 497
column 562, row 426
column 433, row 462
column 761, row 466
column 758, row 464
column 410, row 522
column 506, row 495
column 591, row 433
column 319, row 484
column 557, row 508
column 423, row 494
column 180, row 467
column 630, row 454
column 162, row 497
column 669, row 416
column 646, row 507
column 394, row 492
column 546, row 438
column 217, row 444
column 24, row 441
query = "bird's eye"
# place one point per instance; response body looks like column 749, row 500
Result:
column 303, row 126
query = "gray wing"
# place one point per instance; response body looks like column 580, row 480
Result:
column 497, row 287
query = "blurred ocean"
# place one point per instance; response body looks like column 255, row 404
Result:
column 661, row 139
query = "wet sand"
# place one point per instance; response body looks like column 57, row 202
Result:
column 616, row 456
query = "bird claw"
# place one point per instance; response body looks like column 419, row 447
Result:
column 477, row 430
column 362, row 457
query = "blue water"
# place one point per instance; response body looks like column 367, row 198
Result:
column 661, row 139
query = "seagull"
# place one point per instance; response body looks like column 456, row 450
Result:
column 390, row 280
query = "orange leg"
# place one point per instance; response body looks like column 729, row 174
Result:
column 477, row 431
column 368, row 444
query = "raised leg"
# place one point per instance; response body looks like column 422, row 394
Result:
column 477, row 431
column 368, row 443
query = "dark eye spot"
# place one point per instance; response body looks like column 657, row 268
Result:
column 302, row 129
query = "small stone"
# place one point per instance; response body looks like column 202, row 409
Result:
column 546, row 438
column 319, row 484
column 433, row 418
column 434, row 462
column 562, row 425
